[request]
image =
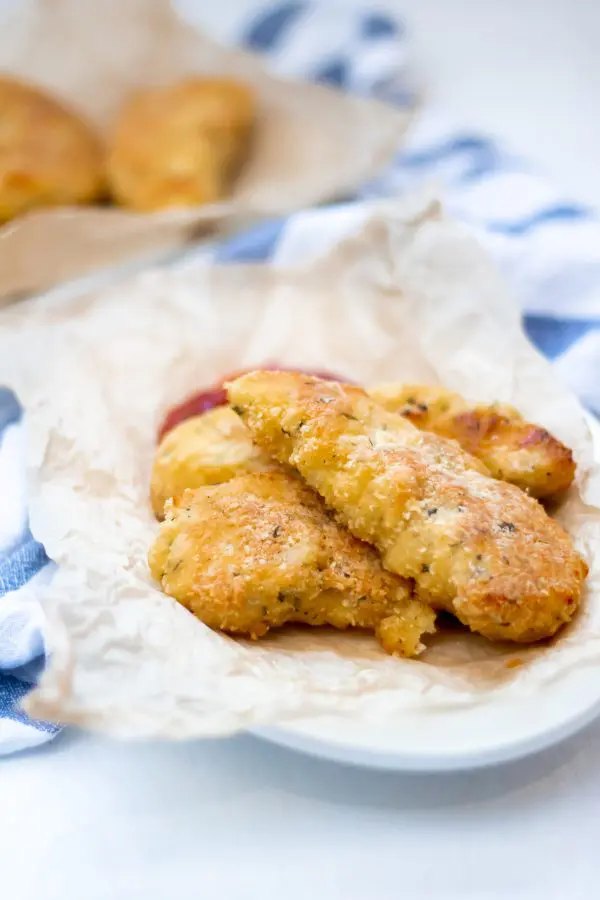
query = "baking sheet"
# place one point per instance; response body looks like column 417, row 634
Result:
column 311, row 143
column 406, row 295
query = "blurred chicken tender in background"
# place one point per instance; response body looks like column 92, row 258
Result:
column 181, row 145
column 48, row 155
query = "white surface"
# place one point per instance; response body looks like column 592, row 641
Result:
column 526, row 71
column 523, row 70
column 239, row 820
column 88, row 820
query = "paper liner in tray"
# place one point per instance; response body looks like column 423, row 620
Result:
column 311, row 142
column 407, row 295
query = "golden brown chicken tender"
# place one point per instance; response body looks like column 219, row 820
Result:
column 180, row 145
column 477, row 547
column 48, row 156
column 260, row 551
column 511, row 448
column 206, row 449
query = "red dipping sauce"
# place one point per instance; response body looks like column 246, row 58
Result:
column 216, row 395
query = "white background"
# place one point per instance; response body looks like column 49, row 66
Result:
column 85, row 819
column 525, row 70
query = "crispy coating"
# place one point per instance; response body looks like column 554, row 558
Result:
column 206, row 449
column 48, row 155
column 512, row 449
column 260, row 550
column 180, row 145
column 477, row 547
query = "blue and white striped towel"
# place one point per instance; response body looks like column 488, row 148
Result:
column 548, row 249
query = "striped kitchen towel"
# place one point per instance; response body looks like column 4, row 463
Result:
column 547, row 248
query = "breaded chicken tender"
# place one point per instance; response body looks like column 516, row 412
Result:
column 48, row 155
column 511, row 448
column 206, row 449
column 260, row 550
column 180, row 145
column 479, row 548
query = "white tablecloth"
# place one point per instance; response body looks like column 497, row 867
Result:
column 241, row 820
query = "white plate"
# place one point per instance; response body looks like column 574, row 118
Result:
column 453, row 740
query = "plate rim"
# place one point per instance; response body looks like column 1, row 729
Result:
column 296, row 738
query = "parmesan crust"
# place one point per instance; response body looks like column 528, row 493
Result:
column 478, row 547
column 259, row 551
column 512, row 449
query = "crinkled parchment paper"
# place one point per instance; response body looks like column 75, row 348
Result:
column 311, row 142
column 407, row 295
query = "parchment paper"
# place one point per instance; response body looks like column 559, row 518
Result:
column 311, row 143
column 409, row 295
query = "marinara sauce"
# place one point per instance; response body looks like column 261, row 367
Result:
column 216, row 395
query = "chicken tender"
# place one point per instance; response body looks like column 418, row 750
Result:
column 206, row 449
column 260, row 551
column 477, row 547
column 48, row 155
column 181, row 145
column 512, row 449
